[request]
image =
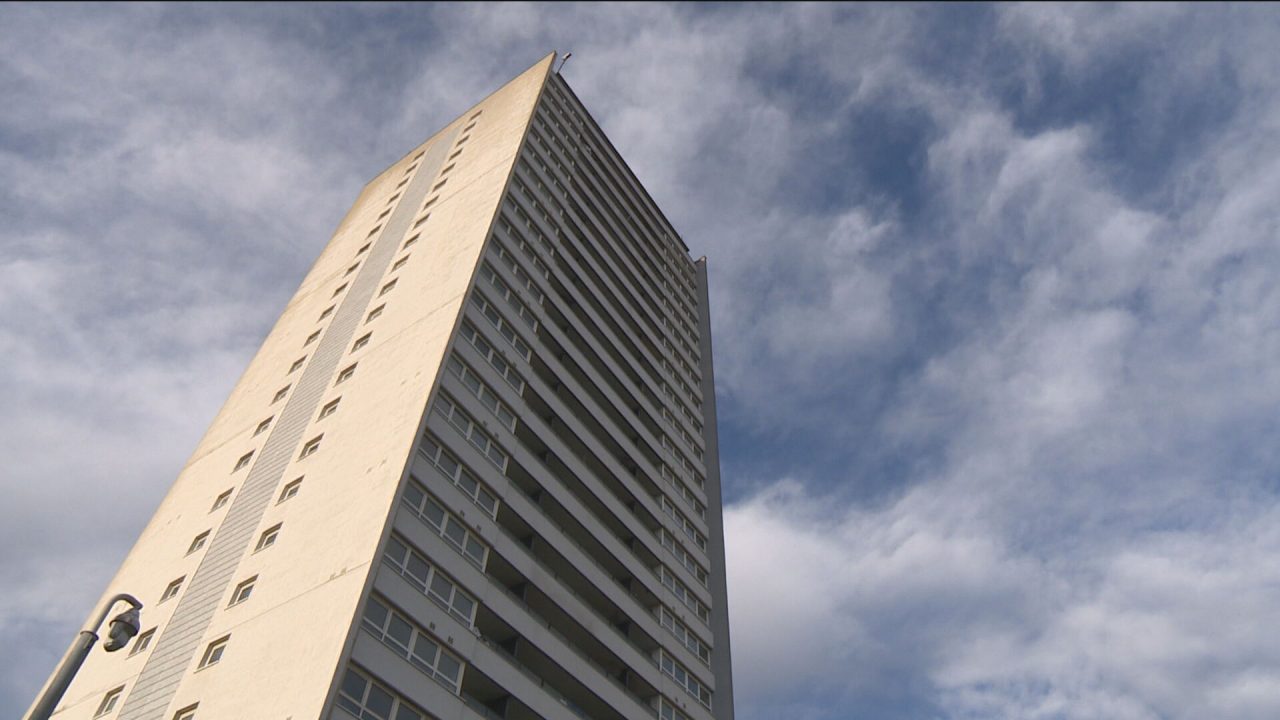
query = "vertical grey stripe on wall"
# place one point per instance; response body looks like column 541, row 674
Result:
column 177, row 645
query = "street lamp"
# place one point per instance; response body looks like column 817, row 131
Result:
column 122, row 629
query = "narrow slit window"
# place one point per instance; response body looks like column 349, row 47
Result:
column 172, row 589
column 198, row 542
column 280, row 394
column 345, row 375
column 243, row 591
column 109, row 702
column 374, row 313
column 363, row 248
column 351, row 269
column 384, row 213
column 213, row 653
column 268, row 537
column 297, row 364
column 338, row 292
column 243, row 462
column 421, row 220
column 220, row 501
column 330, row 408
column 387, row 288
column 439, row 185
column 446, row 170
column 143, row 642
column 290, row 490
column 262, row 426
column 186, row 713
column 312, row 338
column 399, row 263
column 410, row 241
column 312, row 446
column 361, row 342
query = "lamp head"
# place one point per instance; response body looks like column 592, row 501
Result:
column 122, row 629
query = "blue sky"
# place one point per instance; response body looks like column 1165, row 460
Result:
column 994, row 292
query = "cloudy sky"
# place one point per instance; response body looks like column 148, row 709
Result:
column 995, row 307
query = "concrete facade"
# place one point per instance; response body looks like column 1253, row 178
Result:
column 472, row 471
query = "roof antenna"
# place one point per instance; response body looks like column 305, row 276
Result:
column 564, row 60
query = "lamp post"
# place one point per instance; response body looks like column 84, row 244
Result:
column 122, row 629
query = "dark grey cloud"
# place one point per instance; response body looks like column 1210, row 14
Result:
column 993, row 291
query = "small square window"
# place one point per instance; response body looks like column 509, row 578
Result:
column 363, row 248
column 297, row 364
column 198, row 542
column 311, row 447
column 172, row 589
column 186, row 713
column 213, row 653
column 399, row 263
column 243, row 462
column 361, row 342
column 410, row 241
column 351, row 269
column 268, row 537
column 290, row 490
column 280, row 394
column 338, row 292
column 109, row 701
column 221, row 500
column 243, row 591
column 262, row 426
column 143, row 642
column 387, row 288
column 330, row 408
column 345, row 375
column 311, row 338
column 374, row 313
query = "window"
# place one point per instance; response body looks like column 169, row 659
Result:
column 329, row 408
column 346, row 374
column 461, row 140
column 186, row 713
column 456, row 153
column 374, row 231
column 198, row 542
column 220, row 500
column 393, row 198
column 290, row 490
column 421, row 220
column 468, row 128
column 410, row 169
column 361, row 342
column 268, row 537
column 172, row 589
column 351, row 269
column 439, row 185
column 338, row 292
column 459, row 475
column 374, row 313
column 402, row 183
column 687, row 638
column 262, row 426
column 410, row 241
column 685, row 680
column 367, row 700
column 311, row 447
column 446, row 170
column 430, row 201
column 475, row 115
column 280, row 394
column 445, row 524
column 363, row 248
column 399, row 263
column 441, row 589
column 387, row 288
column 243, row 461
column 482, row 392
column 311, row 338
column 297, row 364
column 143, row 642
column 109, row 701
column 412, row 643
column 243, row 591
column 213, row 653
column 418, row 157
column 384, row 213
column 471, row 430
